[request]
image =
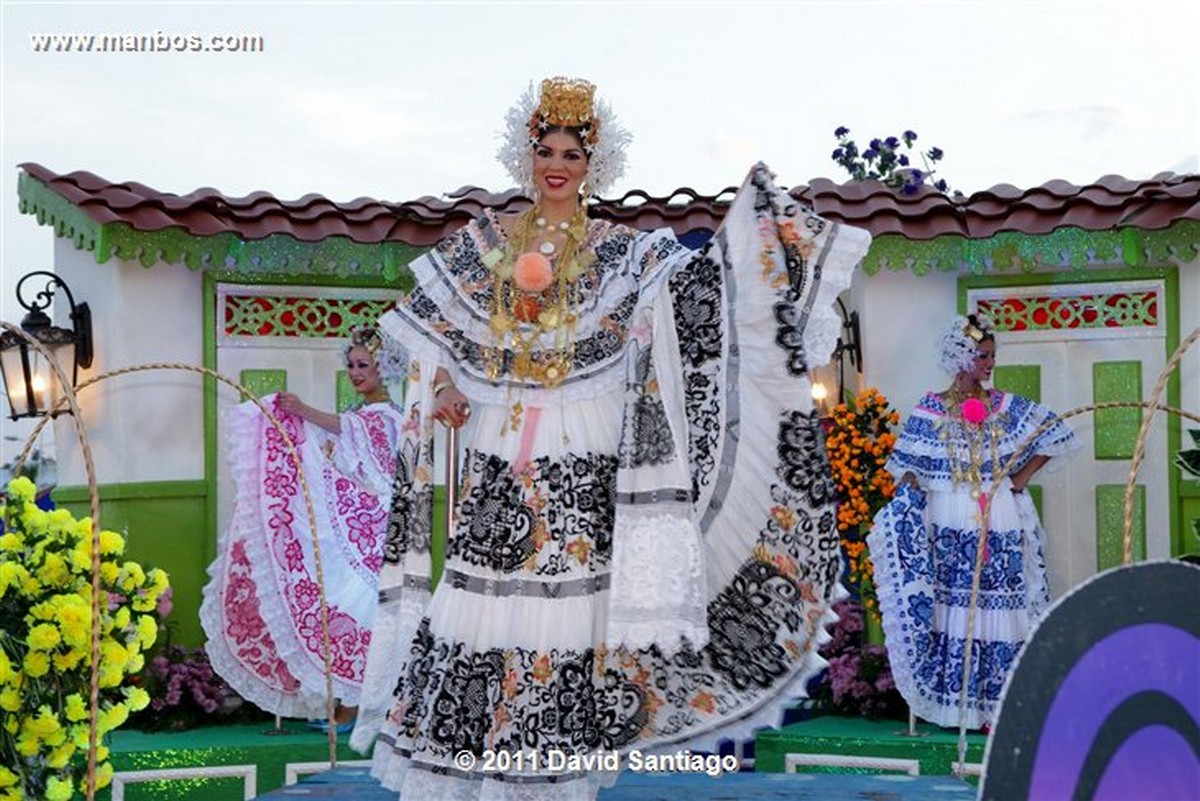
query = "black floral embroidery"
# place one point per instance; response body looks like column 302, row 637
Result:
column 803, row 465
column 554, row 699
column 410, row 519
column 647, row 438
column 789, row 336
column 696, row 294
column 743, row 622
column 502, row 530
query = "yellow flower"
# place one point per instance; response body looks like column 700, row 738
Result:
column 111, row 543
column 75, row 622
column 147, row 631
column 76, row 709
column 43, row 637
column 54, row 570
column 69, row 660
column 59, row 789
column 7, row 777
column 10, row 699
column 132, row 576
column 6, row 671
column 61, row 755
column 37, row 664
column 121, row 618
column 104, row 775
column 21, row 489
column 113, row 717
column 11, row 542
column 138, row 698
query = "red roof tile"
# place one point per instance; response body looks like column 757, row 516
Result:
column 1108, row 203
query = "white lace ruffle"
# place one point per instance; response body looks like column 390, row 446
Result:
column 396, row 773
column 657, row 595
column 395, row 624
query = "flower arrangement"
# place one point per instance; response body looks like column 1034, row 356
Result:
column 186, row 692
column 883, row 161
column 859, row 678
column 45, row 634
column 858, row 441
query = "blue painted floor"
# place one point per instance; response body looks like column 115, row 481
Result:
column 353, row 784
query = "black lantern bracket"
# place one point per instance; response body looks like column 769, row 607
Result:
column 16, row 361
column 36, row 319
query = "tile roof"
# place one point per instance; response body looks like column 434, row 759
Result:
column 1111, row 202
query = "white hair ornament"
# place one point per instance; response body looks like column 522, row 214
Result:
column 391, row 359
column 568, row 103
column 960, row 342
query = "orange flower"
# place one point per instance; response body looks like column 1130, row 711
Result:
column 542, row 670
column 704, row 702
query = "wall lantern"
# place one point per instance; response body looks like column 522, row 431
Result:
column 847, row 349
column 30, row 383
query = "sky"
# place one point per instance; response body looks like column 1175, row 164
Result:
column 398, row 100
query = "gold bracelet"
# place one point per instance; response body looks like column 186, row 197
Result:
column 441, row 387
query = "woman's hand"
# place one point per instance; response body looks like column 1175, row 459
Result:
column 291, row 404
column 451, row 407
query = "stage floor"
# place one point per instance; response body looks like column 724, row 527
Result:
column 179, row 766
column 353, row 784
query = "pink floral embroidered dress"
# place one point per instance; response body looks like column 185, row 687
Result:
column 261, row 609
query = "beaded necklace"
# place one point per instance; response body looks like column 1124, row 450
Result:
column 535, row 293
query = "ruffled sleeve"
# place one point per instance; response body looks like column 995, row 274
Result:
column 365, row 451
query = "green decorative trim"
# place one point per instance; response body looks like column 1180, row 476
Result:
column 1098, row 311
column 1110, row 524
column 262, row 382
column 1011, row 251
column 50, row 208
column 1170, row 276
column 277, row 253
column 279, row 316
column 1019, row 379
column 1115, row 431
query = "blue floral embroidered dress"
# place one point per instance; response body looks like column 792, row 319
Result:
column 643, row 555
column 923, row 545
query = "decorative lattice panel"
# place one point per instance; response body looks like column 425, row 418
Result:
column 1135, row 309
column 283, row 316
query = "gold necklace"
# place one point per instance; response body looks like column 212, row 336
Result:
column 524, row 309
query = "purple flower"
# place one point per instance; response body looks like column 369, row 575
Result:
column 909, row 189
column 935, row 154
column 841, row 131
column 876, row 144
column 903, row 160
column 910, row 137
column 941, row 185
column 892, row 142
column 869, row 154
column 837, row 154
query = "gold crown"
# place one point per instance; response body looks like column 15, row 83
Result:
column 975, row 333
column 566, row 101
column 366, row 336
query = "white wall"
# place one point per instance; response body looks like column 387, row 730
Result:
column 901, row 317
column 144, row 426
